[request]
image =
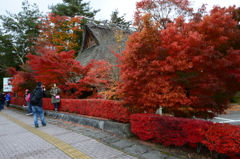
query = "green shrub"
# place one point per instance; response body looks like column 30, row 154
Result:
column 236, row 98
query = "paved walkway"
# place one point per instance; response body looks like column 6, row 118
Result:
column 62, row 140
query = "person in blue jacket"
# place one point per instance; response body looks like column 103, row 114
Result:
column 8, row 99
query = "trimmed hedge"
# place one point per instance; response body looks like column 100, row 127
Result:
column 18, row 101
column 168, row 130
column 222, row 138
column 91, row 107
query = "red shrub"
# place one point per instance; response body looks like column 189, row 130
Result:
column 18, row 101
column 193, row 128
column 47, row 104
column 144, row 126
column 168, row 130
column 223, row 138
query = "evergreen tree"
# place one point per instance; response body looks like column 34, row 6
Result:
column 73, row 8
column 17, row 35
column 119, row 20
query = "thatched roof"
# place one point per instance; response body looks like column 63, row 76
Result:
column 100, row 40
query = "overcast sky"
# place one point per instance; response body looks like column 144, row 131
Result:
column 106, row 6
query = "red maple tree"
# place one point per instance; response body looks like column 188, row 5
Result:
column 22, row 80
column 189, row 68
column 50, row 67
column 162, row 11
column 61, row 31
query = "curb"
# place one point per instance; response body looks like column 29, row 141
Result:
column 120, row 129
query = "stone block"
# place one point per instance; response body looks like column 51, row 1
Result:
column 120, row 129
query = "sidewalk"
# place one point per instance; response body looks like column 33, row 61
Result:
column 64, row 140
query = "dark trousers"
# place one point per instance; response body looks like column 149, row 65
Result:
column 55, row 105
column 1, row 104
column 7, row 103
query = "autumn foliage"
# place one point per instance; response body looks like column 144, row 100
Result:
column 21, row 79
column 162, row 11
column 167, row 130
column 49, row 66
column 60, row 31
column 189, row 68
column 223, row 138
column 73, row 78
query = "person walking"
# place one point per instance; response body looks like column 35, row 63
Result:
column 8, row 99
column 27, row 100
column 2, row 101
column 36, row 102
column 55, row 91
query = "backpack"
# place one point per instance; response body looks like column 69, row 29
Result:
column 35, row 97
column 27, row 98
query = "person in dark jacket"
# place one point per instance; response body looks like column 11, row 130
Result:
column 2, row 101
column 38, row 93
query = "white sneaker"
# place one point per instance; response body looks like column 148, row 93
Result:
column 28, row 114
